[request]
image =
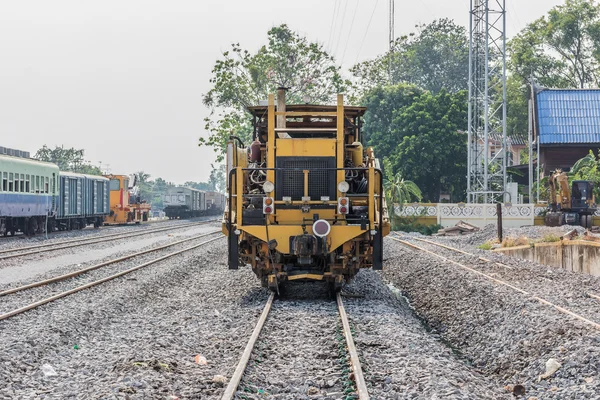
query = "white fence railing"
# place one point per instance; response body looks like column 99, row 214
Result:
column 513, row 215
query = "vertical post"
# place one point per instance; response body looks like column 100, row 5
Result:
column 340, row 141
column 530, row 132
column 270, row 139
column 281, row 119
column 504, row 101
column 499, row 214
column 539, row 159
column 470, row 110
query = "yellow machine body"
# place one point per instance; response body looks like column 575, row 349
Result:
column 124, row 208
column 305, row 201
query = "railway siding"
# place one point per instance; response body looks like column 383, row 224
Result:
column 502, row 332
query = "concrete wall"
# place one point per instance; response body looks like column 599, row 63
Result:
column 572, row 255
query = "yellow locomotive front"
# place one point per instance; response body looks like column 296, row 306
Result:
column 305, row 200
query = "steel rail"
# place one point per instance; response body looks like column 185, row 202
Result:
column 359, row 378
column 37, row 246
column 82, row 242
column 487, row 260
column 102, row 264
column 504, row 283
column 236, row 378
column 100, row 281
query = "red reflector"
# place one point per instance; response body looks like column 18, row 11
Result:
column 268, row 210
column 321, row 228
column 343, row 210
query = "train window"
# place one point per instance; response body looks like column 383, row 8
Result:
column 27, row 186
column 16, row 183
column 30, row 183
column 37, row 183
column 22, row 184
column 10, row 182
column 4, row 181
column 115, row 184
column 46, row 186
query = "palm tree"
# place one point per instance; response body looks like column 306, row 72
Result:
column 397, row 189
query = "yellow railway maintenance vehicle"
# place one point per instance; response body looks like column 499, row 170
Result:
column 305, row 200
column 125, row 204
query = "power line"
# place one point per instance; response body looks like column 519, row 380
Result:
column 341, row 27
column 350, row 32
column 333, row 20
column 366, row 31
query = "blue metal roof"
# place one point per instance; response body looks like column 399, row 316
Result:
column 568, row 116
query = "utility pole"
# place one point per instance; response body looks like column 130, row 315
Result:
column 392, row 24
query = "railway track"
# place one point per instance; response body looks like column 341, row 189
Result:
column 66, row 244
column 507, row 276
column 97, row 282
column 314, row 346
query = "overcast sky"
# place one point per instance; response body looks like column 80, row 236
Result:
column 123, row 79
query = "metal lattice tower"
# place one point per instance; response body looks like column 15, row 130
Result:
column 487, row 157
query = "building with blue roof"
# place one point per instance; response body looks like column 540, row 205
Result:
column 567, row 123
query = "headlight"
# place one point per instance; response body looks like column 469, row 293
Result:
column 343, row 186
column 268, row 187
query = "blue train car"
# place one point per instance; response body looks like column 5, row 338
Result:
column 83, row 200
column 28, row 194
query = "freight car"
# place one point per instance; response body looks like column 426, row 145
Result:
column 184, row 202
column 83, row 200
column 305, row 200
column 215, row 203
column 28, row 194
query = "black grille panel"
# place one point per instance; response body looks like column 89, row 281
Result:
column 291, row 183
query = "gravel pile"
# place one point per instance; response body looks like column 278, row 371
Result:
column 300, row 352
column 490, row 233
column 401, row 359
column 564, row 288
column 167, row 330
column 501, row 332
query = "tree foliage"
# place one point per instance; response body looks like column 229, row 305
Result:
column 70, row 159
column 561, row 49
column 242, row 78
column 436, row 57
column 420, row 134
column 397, row 189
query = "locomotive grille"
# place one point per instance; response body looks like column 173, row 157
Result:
column 291, row 183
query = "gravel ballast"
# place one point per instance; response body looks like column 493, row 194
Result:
column 401, row 359
column 136, row 337
column 502, row 332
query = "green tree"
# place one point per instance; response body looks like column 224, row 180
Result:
column 199, row 185
column 70, row 159
column 217, row 178
column 423, row 142
column 241, row 79
column 144, row 185
column 561, row 49
column 436, row 57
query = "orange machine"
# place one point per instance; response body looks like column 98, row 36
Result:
column 125, row 203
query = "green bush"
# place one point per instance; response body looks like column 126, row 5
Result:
column 485, row 246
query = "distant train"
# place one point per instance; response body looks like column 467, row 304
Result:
column 186, row 202
column 35, row 196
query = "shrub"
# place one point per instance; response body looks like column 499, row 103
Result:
column 514, row 242
column 485, row 246
column 550, row 238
